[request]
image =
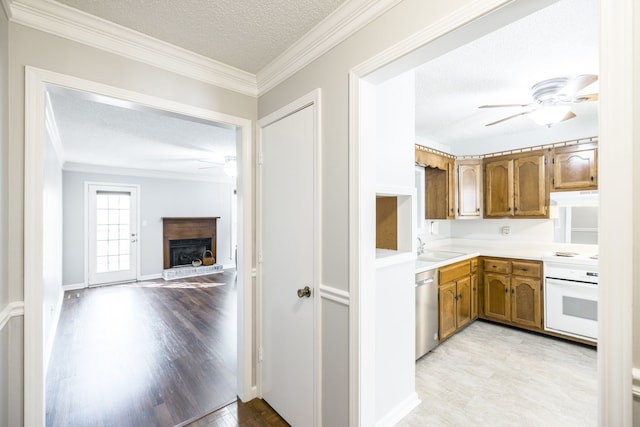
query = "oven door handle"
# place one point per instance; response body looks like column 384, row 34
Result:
column 577, row 284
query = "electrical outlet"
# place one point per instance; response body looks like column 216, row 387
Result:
column 506, row 230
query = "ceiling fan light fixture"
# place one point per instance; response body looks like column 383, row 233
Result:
column 549, row 115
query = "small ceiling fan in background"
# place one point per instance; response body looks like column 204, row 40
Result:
column 552, row 100
column 228, row 164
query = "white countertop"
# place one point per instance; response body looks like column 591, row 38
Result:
column 503, row 249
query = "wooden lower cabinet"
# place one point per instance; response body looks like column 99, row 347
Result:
column 474, row 296
column 456, row 297
column 513, row 298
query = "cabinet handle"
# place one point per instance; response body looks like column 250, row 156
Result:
column 524, row 269
column 591, row 178
column 477, row 209
column 515, row 209
column 513, row 291
column 509, row 209
column 506, row 291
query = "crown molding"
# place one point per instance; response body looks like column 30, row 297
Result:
column 142, row 173
column 338, row 26
column 63, row 21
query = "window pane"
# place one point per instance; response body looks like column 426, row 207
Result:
column 114, row 247
column 102, row 232
column 124, row 247
column 125, row 201
column 114, row 201
column 101, row 264
column 102, row 201
column 102, row 248
column 113, row 263
column 124, row 216
column 124, row 232
column 102, row 216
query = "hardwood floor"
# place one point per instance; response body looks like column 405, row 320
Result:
column 153, row 353
column 256, row 413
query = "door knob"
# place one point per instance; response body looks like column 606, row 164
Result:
column 304, row 292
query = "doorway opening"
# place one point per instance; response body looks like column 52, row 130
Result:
column 38, row 332
column 366, row 82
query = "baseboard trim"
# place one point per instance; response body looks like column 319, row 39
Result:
column 150, row 277
column 74, row 286
column 400, row 411
column 13, row 309
column 334, row 294
column 56, row 319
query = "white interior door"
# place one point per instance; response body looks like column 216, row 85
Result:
column 288, row 218
column 112, row 233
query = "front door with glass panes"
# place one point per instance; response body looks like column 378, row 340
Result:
column 112, row 233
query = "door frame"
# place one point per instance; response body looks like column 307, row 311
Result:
column 619, row 381
column 311, row 99
column 87, row 226
column 36, row 80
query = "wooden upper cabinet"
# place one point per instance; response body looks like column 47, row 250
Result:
column 469, row 188
column 530, row 192
column 439, row 193
column 516, row 186
column 498, row 187
column 575, row 167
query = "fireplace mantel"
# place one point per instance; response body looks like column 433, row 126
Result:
column 175, row 228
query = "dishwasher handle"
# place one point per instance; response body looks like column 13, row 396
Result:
column 425, row 282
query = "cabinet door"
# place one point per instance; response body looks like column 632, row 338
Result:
column 496, row 297
column 474, row 296
column 530, row 193
column 469, row 182
column 463, row 303
column 447, row 309
column 451, row 189
column 525, row 302
column 498, row 188
column 575, row 168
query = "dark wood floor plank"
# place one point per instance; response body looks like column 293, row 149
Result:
column 152, row 353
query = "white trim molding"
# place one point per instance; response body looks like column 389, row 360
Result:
column 13, row 309
column 64, row 21
column 334, row 294
column 401, row 410
column 338, row 26
column 74, row 287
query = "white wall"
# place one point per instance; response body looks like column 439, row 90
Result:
column 158, row 198
column 395, row 289
column 52, row 237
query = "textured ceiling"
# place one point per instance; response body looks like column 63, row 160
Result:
column 246, row 34
column 500, row 68
column 104, row 132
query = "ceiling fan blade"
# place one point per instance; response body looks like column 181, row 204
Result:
column 570, row 115
column 507, row 118
column 586, row 98
column 576, row 84
column 504, row 105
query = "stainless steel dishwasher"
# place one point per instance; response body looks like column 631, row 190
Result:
column 426, row 312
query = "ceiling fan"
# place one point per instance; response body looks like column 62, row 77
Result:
column 552, row 99
column 229, row 164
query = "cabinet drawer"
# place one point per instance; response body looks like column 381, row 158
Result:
column 526, row 268
column 496, row 266
column 454, row 271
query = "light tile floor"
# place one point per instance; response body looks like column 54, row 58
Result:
column 492, row 375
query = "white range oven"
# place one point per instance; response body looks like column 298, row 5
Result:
column 571, row 295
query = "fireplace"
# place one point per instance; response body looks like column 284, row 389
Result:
column 183, row 251
column 186, row 239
